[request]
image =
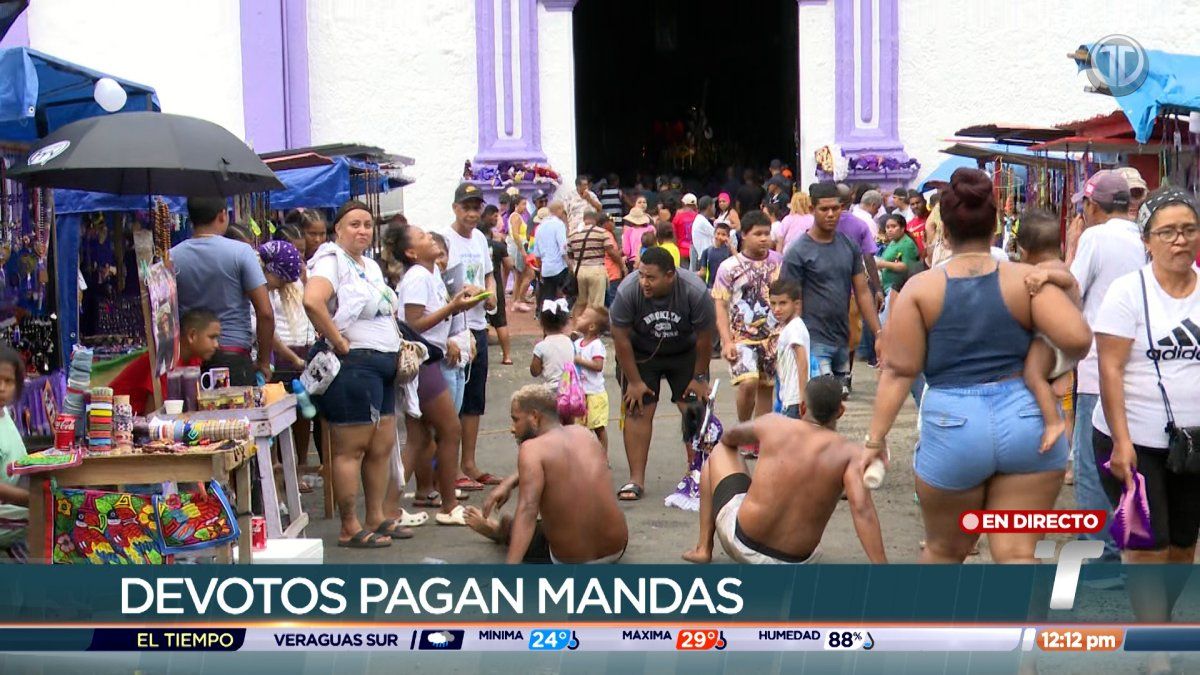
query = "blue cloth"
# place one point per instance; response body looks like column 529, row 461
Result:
column 976, row 339
column 80, row 201
column 550, row 245
column 40, row 93
column 1089, row 493
column 456, row 381
column 313, row 187
column 216, row 273
column 969, row 434
column 1173, row 80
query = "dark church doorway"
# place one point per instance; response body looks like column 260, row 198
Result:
column 684, row 87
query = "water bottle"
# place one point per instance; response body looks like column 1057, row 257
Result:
column 303, row 401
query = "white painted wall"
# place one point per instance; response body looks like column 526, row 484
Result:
column 398, row 74
column 986, row 62
column 189, row 51
column 556, row 61
column 817, row 61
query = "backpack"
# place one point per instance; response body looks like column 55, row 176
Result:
column 572, row 402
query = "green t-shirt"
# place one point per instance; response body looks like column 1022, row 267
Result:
column 904, row 250
column 13, row 518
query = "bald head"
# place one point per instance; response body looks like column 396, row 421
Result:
column 557, row 208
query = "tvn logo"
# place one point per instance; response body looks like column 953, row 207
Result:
column 1070, row 562
column 1183, row 342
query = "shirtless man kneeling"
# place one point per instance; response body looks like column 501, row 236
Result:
column 564, row 476
column 803, row 468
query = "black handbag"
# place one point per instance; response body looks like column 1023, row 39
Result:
column 570, row 287
column 1183, row 443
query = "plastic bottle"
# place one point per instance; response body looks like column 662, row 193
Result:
column 873, row 476
column 303, row 401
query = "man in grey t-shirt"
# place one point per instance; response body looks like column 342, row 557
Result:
column 828, row 266
column 662, row 326
column 225, row 277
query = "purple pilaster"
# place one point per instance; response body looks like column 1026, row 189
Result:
column 506, row 53
column 18, row 33
column 866, row 94
column 274, row 36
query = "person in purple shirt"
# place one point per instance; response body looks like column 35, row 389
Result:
column 860, row 233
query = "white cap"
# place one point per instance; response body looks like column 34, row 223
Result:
column 689, row 198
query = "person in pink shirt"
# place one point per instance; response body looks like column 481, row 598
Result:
column 635, row 224
column 796, row 223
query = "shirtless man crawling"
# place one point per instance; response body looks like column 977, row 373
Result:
column 803, row 468
column 564, row 476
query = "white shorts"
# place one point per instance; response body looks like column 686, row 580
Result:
column 736, row 549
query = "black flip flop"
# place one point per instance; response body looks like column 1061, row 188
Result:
column 630, row 488
column 364, row 539
column 394, row 530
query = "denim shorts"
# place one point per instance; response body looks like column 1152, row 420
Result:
column 969, row 434
column 364, row 389
column 831, row 359
column 456, row 379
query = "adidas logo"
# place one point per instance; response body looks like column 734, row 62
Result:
column 1182, row 343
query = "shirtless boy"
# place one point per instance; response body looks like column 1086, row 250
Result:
column 564, row 477
column 803, row 468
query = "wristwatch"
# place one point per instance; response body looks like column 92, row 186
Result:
column 701, row 377
column 871, row 444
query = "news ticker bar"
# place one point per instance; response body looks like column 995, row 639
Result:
column 606, row 639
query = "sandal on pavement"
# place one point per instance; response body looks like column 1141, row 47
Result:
column 433, row 500
column 393, row 530
column 456, row 517
column 630, row 489
column 488, row 479
column 365, row 539
column 466, row 483
column 417, row 519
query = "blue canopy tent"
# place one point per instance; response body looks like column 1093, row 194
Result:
column 326, row 185
column 1172, row 83
column 40, row 93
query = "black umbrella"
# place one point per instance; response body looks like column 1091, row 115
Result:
column 146, row 153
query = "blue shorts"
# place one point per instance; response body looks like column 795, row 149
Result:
column 364, row 389
column 969, row 434
column 831, row 359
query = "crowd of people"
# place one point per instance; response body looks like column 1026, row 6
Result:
column 1026, row 356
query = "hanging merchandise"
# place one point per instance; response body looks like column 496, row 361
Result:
column 191, row 521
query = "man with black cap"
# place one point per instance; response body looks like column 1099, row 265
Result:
column 1110, row 247
column 469, row 267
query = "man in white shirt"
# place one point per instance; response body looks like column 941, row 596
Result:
column 703, row 231
column 579, row 201
column 550, row 248
column 867, row 208
column 1109, row 248
column 469, row 266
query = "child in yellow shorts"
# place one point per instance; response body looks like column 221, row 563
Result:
column 590, row 356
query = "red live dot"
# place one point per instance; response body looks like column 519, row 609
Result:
column 1040, row 522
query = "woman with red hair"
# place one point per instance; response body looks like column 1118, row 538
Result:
column 967, row 326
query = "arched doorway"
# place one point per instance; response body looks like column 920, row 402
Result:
column 650, row 72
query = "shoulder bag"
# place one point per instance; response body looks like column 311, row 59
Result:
column 1183, row 443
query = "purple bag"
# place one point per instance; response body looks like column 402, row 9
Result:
column 1130, row 527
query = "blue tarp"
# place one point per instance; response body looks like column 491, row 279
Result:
column 313, row 187
column 1173, row 81
column 78, row 201
column 946, row 169
column 323, row 186
column 40, row 93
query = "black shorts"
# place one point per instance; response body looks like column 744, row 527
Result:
column 1174, row 498
column 538, row 552
column 242, row 372
column 678, row 370
column 499, row 318
column 475, row 391
column 551, row 287
column 730, row 486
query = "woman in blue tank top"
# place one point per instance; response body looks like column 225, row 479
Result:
column 967, row 325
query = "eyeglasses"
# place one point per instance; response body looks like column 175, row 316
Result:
column 1168, row 235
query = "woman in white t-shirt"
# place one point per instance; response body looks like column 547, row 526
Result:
column 352, row 307
column 428, row 308
column 1130, row 425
